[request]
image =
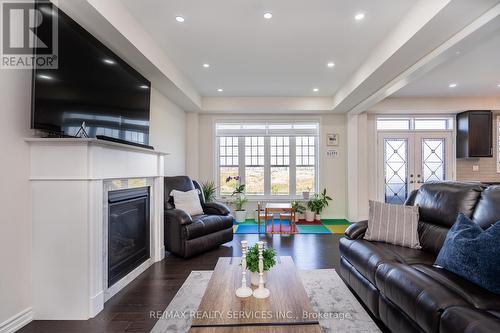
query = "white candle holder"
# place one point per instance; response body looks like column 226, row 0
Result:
column 244, row 291
column 261, row 292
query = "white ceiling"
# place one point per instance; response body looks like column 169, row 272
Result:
column 474, row 66
column 252, row 56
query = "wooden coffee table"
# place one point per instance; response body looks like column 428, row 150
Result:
column 287, row 309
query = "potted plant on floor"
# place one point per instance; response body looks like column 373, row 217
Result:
column 209, row 190
column 269, row 255
column 239, row 212
column 299, row 209
column 317, row 203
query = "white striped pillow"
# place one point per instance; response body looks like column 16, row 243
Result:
column 394, row 224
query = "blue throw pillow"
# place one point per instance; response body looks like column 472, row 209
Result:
column 473, row 253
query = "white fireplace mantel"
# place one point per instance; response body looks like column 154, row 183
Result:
column 68, row 178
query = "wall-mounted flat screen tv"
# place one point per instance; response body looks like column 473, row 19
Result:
column 91, row 84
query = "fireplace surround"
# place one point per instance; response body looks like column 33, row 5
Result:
column 72, row 181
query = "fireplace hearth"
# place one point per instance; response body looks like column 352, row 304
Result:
column 128, row 231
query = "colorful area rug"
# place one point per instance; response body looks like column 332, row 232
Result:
column 326, row 226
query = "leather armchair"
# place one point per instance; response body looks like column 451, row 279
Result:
column 186, row 235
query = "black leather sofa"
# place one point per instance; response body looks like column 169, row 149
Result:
column 187, row 235
column 402, row 288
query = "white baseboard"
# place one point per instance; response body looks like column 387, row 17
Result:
column 96, row 304
column 17, row 321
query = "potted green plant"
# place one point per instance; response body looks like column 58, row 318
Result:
column 209, row 190
column 239, row 212
column 318, row 202
column 299, row 209
column 269, row 255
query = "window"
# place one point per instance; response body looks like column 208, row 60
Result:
column 280, row 165
column 272, row 159
column 415, row 123
column 254, row 165
column 228, row 162
column 305, row 157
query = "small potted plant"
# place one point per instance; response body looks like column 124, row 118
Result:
column 209, row 190
column 299, row 209
column 317, row 203
column 269, row 255
column 239, row 212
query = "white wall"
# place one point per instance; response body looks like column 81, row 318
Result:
column 332, row 171
column 168, row 132
column 15, row 197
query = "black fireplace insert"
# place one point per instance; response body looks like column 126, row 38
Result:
column 128, row 231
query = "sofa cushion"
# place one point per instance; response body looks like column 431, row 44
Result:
column 422, row 298
column 440, row 203
column 206, row 224
column 472, row 253
column 187, row 201
column 465, row 319
column 431, row 236
column 366, row 256
column 477, row 297
column 487, row 210
column 394, row 224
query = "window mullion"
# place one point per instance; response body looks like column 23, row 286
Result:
column 293, row 165
column 241, row 159
column 267, row 166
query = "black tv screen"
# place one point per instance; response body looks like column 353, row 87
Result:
column 91, row 84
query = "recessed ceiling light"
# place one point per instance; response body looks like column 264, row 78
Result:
column 268, row 15
column 359, row 16
column 143, row 86
column 45, row 77
column 330, row 65
column 316, row 89
column 206, row 65
column 220, row 90
column 179, row 19
column 452, row 85
column 498, row 85
column 109, row 61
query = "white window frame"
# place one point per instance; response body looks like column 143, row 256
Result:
column 411, row 119
column 292, row 134
column 498, row 143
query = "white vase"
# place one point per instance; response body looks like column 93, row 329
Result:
column 309, row 216
column 240, row 215
column 254, row 278
column 317, row 217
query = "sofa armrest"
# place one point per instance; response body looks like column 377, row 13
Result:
column 215, row 208
column 177, row 215
column 357, row 230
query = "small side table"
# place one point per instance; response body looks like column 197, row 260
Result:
column 281, row 208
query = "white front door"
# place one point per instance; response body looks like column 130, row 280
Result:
column 408, row 159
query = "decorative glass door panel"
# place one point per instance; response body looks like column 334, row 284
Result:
column 396, row 170
column 433, row 156
column 407, row 159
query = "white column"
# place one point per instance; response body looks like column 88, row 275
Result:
column 192, row 145
column 357, row 167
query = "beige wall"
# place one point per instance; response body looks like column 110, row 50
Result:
column 15, row 193
column 168, row 132
column 332, row 171
column 487, row 166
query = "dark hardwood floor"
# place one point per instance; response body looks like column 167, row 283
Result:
column 129, row 310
